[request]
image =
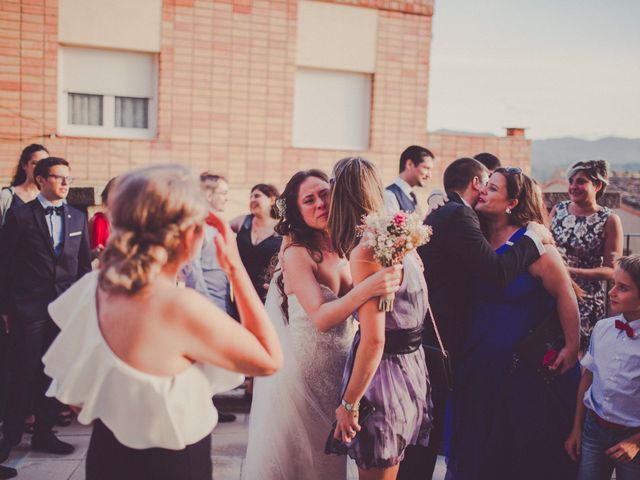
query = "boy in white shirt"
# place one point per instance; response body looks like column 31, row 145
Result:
column 606, row 431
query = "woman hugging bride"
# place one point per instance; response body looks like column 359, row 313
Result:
column 310, row 301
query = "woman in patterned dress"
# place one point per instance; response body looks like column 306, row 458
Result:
column 589, row 237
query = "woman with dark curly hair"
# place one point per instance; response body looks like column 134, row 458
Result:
column 310, row 302
column 589, row 237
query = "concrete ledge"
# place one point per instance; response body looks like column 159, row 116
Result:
column 611, row 200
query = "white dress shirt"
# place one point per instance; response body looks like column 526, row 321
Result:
column 391, row 204
column 614, row 359
column 54, row 222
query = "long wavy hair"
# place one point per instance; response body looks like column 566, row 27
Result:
column 293, row 225
column 151, row 208
column 20, row 175
column 356, row 191
column 530, row 207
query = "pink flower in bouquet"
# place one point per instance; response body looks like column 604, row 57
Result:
column 400, row 219
column 549, row 357
column 392, row 237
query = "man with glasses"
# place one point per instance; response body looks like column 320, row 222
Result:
column 458, row 253
column 44, row 249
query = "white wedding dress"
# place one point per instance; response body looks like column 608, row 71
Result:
column 293, row 410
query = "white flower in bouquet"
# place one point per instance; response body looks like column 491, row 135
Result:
column 392, row 237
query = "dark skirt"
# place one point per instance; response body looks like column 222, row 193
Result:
column 108, row 459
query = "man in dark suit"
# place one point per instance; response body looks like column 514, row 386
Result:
column 44, row 249
column 458, row 255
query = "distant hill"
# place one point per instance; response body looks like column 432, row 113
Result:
column 552, row 154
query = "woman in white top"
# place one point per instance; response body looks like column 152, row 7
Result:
column 142, row 357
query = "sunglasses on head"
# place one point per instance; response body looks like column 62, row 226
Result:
column 509, row 170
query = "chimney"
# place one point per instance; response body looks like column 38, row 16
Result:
column 515, row 131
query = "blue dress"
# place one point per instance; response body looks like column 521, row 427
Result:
column 505, row 422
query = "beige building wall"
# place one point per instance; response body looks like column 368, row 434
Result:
column 120, row 24
column 226, row 77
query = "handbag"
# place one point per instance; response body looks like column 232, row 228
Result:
column 337, row 446
column 540, row 347
column 438, row 358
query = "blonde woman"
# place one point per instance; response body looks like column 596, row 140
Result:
column 142, row 357
column 386, row 364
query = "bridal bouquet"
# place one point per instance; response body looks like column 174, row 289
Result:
column 391, row 237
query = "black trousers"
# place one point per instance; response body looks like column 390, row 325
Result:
column 419, row 462
column 29, row 340
column 108, row 459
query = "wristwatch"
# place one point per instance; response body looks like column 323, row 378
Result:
column 350, row 407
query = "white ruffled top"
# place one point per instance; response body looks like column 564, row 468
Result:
column 142, row 410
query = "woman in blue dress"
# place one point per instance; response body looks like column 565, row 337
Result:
column 507, row 422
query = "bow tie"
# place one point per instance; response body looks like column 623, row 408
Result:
column 54, row 210
column 625, row 327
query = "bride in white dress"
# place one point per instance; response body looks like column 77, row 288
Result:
column 310, row 303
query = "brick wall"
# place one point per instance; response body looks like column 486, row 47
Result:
column 226, row 82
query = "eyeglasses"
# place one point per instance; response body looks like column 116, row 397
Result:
column 61, row 178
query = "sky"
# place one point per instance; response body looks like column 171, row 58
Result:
column 558, row 67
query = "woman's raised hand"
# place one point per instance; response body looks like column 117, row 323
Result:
column 226, row 246
column 384, row 282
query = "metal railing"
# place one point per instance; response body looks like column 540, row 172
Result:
column 626, row 250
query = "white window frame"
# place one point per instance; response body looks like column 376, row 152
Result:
column 108, row 128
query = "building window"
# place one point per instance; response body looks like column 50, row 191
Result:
column 84, row 109
column 332, row 109
column 107, row 93
column 132, row 112
column 335, row 71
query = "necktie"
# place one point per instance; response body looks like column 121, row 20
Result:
column 54, row 210
column 625, row 327
column 413, row 199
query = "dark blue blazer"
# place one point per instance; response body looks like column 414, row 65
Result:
column 31, row 275
column 457, row 257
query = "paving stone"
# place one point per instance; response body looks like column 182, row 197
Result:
column 229, row 445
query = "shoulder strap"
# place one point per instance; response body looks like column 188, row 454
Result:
column 435, row 328
column 247, row 222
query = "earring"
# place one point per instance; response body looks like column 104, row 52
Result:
column 508, row 211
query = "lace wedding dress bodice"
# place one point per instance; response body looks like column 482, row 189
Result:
column 320, row 356
column 293, row 410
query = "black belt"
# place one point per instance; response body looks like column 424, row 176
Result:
column 400, row 342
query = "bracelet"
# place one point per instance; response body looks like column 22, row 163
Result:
column 351, row 408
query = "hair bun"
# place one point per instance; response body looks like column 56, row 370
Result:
column 602, row 166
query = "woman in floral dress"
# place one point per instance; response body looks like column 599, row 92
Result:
column 589, row 237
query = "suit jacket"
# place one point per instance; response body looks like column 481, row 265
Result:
column 31, row 275
column 457, row 256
